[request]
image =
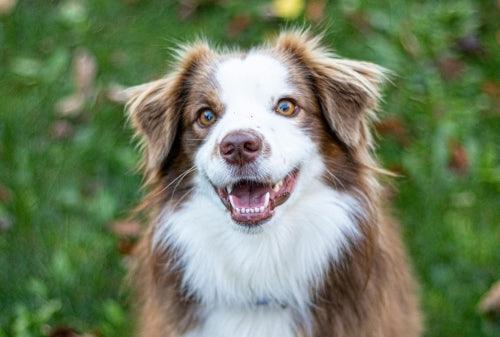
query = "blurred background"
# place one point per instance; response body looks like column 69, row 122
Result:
column 67, row 162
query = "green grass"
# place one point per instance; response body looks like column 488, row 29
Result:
column 59, row 262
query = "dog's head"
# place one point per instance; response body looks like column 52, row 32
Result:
column 254, row 130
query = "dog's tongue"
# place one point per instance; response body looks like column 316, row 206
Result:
column 249, row 195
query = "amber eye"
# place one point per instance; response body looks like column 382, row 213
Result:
column 286, row 107
column 207, row 117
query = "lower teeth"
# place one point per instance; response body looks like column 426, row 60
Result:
column 250, row 210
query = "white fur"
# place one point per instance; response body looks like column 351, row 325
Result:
column 230, row 269
column 237, row 322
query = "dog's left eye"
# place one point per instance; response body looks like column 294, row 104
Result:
column 286, row 107
column 207, row 117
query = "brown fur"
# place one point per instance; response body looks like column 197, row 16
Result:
column 371, row 292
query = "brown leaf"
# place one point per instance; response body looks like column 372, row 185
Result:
column 238, row 24
column 70, row 105
column 126, row 228
column 393, row 126
column 315, row 10
column 62, row 129
column 7, row 6
column 450, row 68
column 491, row 88
column 186, row 9
column 490, row 302
column 459, row 160
column 63, row 331
column 359, row 20
column 84, row 71
column 5, row 194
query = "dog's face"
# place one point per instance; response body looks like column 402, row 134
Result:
column 258, row 141
column 253, row 130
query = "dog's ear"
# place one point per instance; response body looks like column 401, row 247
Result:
column 155, row 108
column 347, row 90
column 154, row 118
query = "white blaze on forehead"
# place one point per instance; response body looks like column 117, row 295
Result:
column 256, row 78
column 249, row 88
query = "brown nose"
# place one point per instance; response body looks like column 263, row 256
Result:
column 240, row 147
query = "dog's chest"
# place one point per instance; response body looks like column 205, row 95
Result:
column 260, row 321
column 233, row 271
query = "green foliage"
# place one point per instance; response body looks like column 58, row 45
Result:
column 60, row 190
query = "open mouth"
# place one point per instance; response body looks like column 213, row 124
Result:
column 252, row 202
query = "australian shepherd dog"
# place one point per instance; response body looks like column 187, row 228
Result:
column 265, row 214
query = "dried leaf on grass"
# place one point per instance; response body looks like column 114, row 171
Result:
column 360, row 20
column 492, row 89
column 188, row 8
column 5, row 194
column 62, row 129
column 238, row 24
column 393, row 126
column 70, row 105
column 84, row 73
column 7, row 6
column 459, row 159
column 490, row 302
column 450, row 68
column 131, row 2
column 315, row 10
column 63, row 331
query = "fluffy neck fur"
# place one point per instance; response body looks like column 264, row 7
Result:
column 227, row 270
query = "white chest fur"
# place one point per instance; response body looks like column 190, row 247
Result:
column 256, row 322
column 231, row 270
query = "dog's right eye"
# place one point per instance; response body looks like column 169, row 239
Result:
column 206, row 117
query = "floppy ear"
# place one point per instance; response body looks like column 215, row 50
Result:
column 347, row 90
column 154, row 119
column 155, row 108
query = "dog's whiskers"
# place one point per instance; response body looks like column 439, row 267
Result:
column 180, row 178
column 335, row 179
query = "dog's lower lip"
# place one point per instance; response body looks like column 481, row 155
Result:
column 252, row 203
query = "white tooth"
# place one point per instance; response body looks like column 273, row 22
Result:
column 256, row 210
column 278, row 186
column 247, row 210
column 231, row 200
column 229, row 188
column 252, row 210
column 238, row 210
column 261, row 209
column 266, row 199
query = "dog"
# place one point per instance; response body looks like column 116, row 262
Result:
column 266, row 216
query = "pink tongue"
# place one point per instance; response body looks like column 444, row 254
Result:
column 249, row 195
